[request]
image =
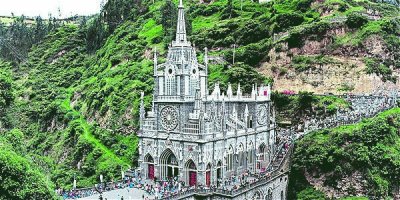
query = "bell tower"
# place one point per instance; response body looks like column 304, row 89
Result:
column 181, row 74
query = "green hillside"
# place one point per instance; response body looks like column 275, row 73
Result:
column 360, row 159
column 75, row 99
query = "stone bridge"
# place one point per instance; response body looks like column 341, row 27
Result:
column 274, row 185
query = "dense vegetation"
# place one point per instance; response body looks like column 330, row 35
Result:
column 20, row 178
column 370, row 148
column 74, row 96
column 293, row 108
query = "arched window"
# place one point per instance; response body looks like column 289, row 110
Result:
column 229, row 159
column 269, row 195
column 250, row 152
column 250, row 125
column 261, row 152
column 148, row 158
column 170, row 81
column 242, row 155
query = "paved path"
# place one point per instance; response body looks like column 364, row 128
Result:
column 128, row 194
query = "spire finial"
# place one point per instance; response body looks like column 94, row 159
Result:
column 181, row 27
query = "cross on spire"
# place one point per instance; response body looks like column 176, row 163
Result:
column 181, row 26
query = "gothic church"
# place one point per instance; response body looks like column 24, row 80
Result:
column 199, row 137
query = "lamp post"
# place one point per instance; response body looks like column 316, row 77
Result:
column 74, row 184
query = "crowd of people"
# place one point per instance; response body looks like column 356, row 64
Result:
column 162, row 189
column 86, row 192
column 75, row 194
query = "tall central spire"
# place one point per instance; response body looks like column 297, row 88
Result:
column 181, row 26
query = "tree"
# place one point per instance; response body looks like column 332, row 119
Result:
column 96, row 33
column 20, row 180
column 39, row 30
column 169, row 17
column 305, row 101
column 229, row 11
column 6, row 95
column 355, row 20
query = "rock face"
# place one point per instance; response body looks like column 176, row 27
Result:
column 346, row 186
column 345, row 73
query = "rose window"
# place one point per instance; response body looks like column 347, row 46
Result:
column 169, row 118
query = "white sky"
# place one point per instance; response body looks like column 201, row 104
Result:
column 33, row 8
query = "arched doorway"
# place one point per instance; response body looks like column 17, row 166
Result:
column 219, row 173
column 150, row 166
column 191, row 169
column 169, row 164
column 208, row 175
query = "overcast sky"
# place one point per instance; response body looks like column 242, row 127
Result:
column 33, row 8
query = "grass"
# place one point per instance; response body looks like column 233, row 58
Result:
column 87, row 133
column 150, row 31
column 204, row 22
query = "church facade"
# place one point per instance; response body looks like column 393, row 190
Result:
column 202, row 138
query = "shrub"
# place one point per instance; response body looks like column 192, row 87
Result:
column 311, row 194
column 355, row 20
column 286, row 20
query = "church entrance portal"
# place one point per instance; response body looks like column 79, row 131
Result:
column 169, row 164
column 191, row 172
column 150, row 166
